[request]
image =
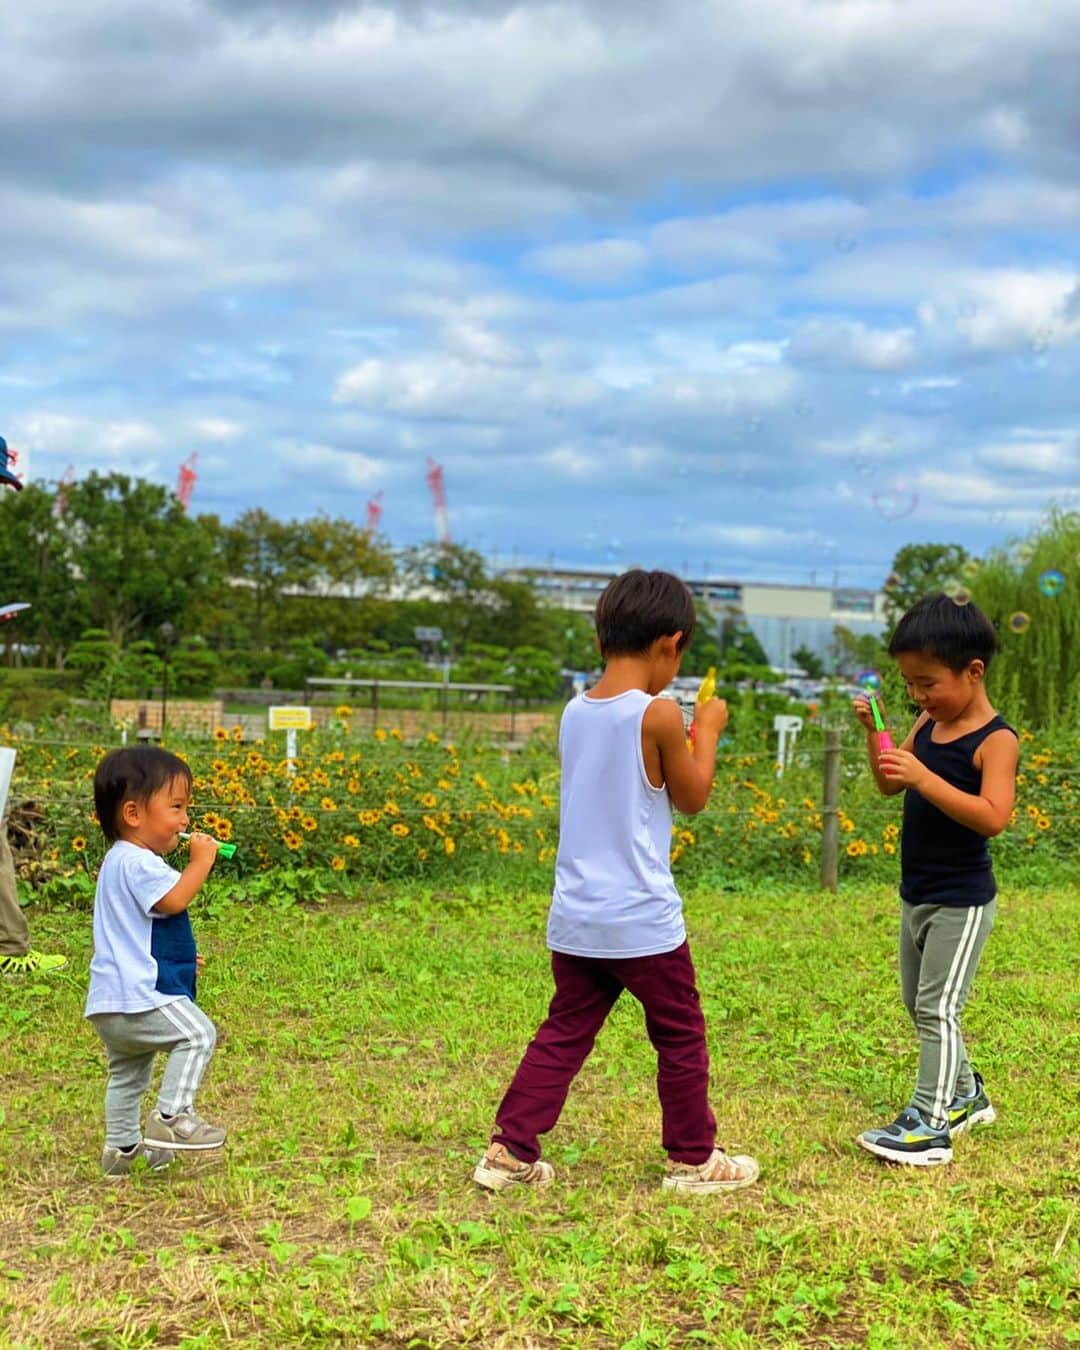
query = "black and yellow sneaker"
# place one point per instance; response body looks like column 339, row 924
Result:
column 964, row 1112
column 909, row 1140
column 32, row 963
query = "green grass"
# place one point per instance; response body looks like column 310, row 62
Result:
column 363, row 1050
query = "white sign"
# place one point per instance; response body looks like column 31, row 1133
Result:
column 787, row 728
column 7, row 768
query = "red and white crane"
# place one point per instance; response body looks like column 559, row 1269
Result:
column 374, row 515
column 437, row 483
column 185, row 484
column 63, row 490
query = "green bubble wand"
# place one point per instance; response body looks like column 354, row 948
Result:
column 226, row 850
column 884, row 740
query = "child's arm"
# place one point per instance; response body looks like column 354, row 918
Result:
column 888, row 787
column 987, row 813
column 687, row 774
column 203, row 852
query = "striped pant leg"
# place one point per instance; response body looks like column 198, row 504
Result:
column 951, row 941
column 189, row 1057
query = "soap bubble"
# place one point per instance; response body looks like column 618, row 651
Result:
column 971, row 568
column 1025, row 553
column 896, row 501
column 1019, row 622
column 846, row 243
column 998, row 518
column 952, row 587
column 868, row 679
column 961, row 597
column 892, row 581
column 1052, row 582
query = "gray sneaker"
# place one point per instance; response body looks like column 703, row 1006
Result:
column 116, row 1163
column 187, row 1130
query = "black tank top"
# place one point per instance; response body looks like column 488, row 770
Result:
column 941, row 861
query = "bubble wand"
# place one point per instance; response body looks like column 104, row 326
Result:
column 706, row 691
column 884, row 740
column 226, row 850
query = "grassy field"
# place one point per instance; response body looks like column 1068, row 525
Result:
column 363, row 1049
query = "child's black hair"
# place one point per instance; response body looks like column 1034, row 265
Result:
column 133, row 773
column 955, row 634
column 638, row 607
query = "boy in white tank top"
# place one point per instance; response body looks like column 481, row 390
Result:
column 616, row 916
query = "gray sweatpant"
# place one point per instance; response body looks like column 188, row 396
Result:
column 940, row 946
column 131, row 1042
column 14, row 933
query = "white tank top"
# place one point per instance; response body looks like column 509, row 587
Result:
column 614, row 893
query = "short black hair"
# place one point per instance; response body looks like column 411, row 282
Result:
column 638, row 607
column 132, row 774
column 956, row 634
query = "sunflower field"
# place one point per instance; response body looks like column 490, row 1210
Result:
column 376, row 806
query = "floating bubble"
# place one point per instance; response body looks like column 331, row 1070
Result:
column 868, row 679
column 863, row 465
column 998, row 518
column 971, row 568
column 614, row 550
column 967, row 309
column 1019, row 622
column 961, row 597
column 892, row 581
column 1052, row 582
column 895, row 502
column 846, row 243
column 1025, row 553
column 952, row 587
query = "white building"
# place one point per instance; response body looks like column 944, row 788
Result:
column 782, row 617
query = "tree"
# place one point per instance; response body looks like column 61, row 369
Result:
column 854, row 653
column 922, row 569
column 36, row 566
column 139, row 559
column 809, row 662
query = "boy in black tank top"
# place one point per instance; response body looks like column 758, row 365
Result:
column 957, row 769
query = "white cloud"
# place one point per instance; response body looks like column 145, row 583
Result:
column 846, row 343
column 607, row 262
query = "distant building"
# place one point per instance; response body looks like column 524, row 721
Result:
column 783, row 617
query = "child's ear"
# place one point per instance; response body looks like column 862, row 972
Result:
column 130, row 813
column 977, row 669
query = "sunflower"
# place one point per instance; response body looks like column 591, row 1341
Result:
column 398, row 830
column 291, row 840
column 328, row 804
column 337, row 863
column 78, row 844
column 309, row 823
column 448, row 846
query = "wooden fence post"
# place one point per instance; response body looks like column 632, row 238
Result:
column 830, row 804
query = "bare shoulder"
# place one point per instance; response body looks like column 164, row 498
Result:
column 662, row 716
column 1001, row 747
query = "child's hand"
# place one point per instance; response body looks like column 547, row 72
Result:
column 204, row 849
column 861, row 706
column 200, row 960
column 901, row 766
column 712, row 715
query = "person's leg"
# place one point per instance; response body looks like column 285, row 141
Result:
column 585, row 992
column 14, row 931
column 910, row 953
column 194, row 1038
column 951, row 950
column 666, row 988
column 130, row 1065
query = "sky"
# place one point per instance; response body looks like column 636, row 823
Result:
column 766, row 288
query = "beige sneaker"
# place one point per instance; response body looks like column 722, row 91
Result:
column 720, row 1173
column 498, row 1168
column 185, row 1131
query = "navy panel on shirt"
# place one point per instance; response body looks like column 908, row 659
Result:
column 941, row 861
column 172, row 945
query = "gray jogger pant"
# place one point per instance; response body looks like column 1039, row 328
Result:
column 14, row 933
column 940, row 946
column 131, row 1041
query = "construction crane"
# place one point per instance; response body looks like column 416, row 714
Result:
column 185, row 484
column 437, row 483
column 63, row 490
column 374, row 514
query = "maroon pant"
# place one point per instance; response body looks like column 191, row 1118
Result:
column 586, row 989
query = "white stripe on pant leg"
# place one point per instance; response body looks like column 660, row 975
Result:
column 950, row 994
column 195, row 1032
